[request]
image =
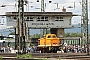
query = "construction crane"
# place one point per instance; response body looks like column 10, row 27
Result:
column 84, row 24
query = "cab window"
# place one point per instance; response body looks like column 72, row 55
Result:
column 49, row 36
column 53, row 36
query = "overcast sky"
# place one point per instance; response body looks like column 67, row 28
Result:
column 50, row 7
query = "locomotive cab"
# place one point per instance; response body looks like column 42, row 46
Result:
column 49, row 43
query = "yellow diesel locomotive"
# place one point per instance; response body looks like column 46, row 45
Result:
column 49, row 43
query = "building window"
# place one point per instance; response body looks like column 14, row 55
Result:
column 46, row 18
column 14, row 17
column 58, row 18
column 38, row 18
column 42, row 18
column 54, row 36
column 29, row 18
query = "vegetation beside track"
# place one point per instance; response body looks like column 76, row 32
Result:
column 24, row 56
column 29, row 56
column 0, row 57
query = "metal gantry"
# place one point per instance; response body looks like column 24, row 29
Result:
column 84, row 24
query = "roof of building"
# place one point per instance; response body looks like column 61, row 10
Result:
column 41, row 13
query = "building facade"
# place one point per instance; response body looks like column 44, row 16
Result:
column 55, row 21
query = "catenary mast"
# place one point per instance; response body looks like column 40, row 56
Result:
column 84, row 24
column 20, row 28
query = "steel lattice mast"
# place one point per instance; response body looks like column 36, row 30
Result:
column 20, row 27
column 84, row 24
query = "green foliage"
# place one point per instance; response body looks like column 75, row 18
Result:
column 59, row 58
column 72, row 34
column 0, row 57
column 31, row 44
column 25, row 56
column 48, row 31
column 38, row 35
column 12, row 33
column 66, row 35
column 28, row 56
column 35, row 36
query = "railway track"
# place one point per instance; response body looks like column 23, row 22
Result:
column 8, row 54
column 80, row 56
column 61, row 55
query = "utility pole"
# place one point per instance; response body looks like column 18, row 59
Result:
column 42, row 10
column 84, row 24
column 27, row 32
column 20, row 27
column 42, row 6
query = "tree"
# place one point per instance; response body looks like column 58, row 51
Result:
column 35, row 36
column 73, row 34
column 67, row 34
column 12, row 33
